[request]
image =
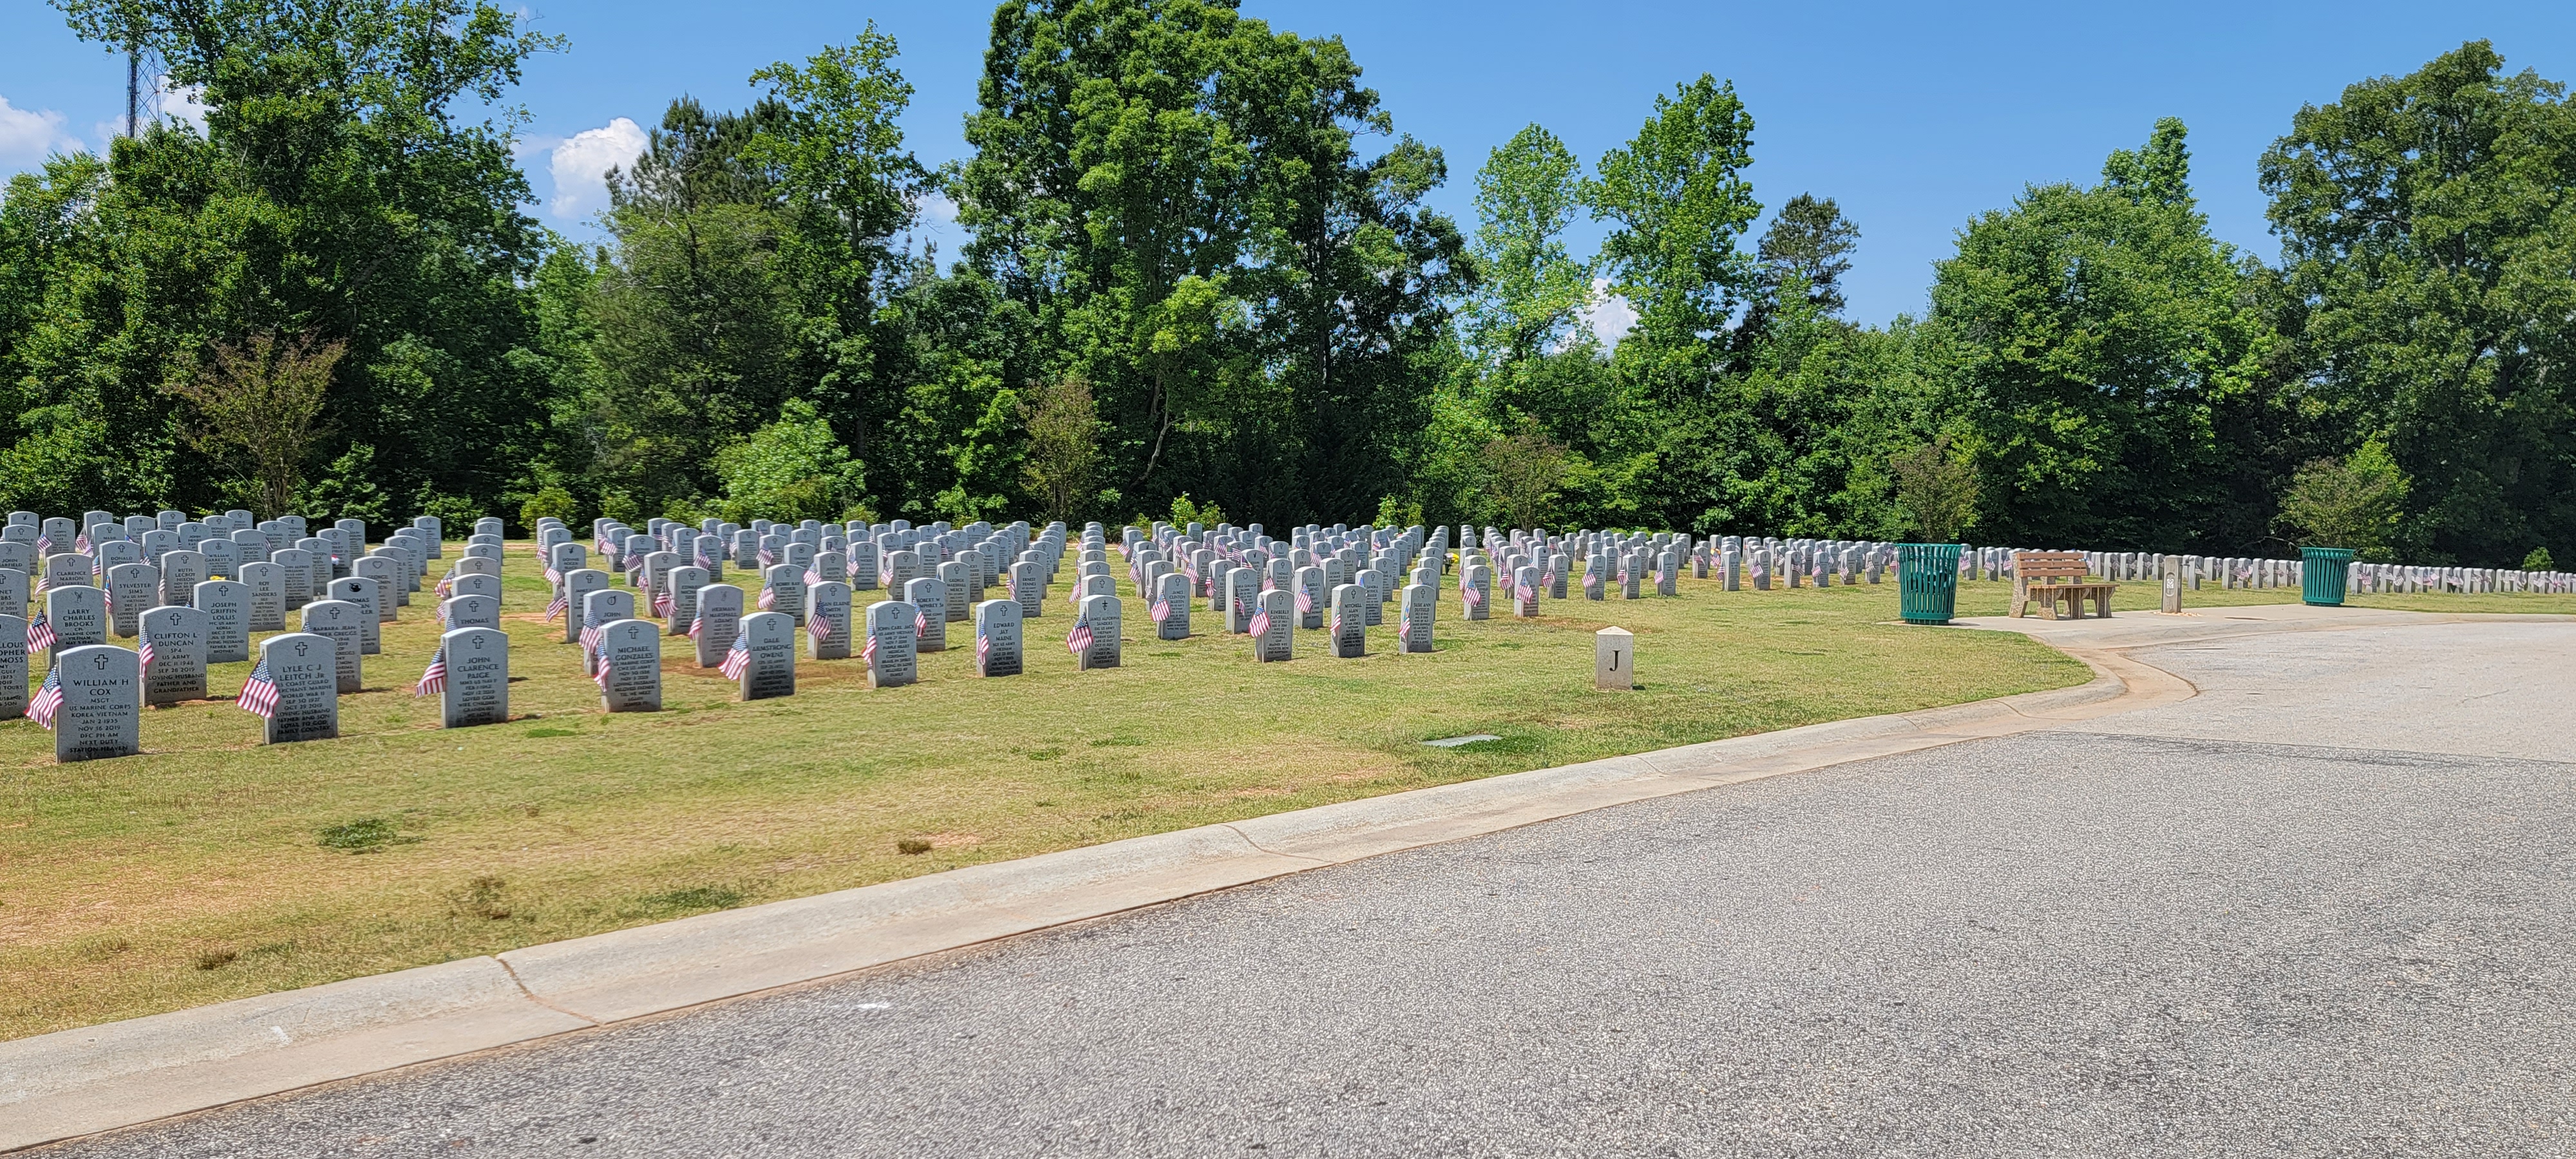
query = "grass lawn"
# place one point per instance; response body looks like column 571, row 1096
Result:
column 214, row 868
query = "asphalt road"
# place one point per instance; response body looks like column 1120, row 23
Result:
column 2327, row 908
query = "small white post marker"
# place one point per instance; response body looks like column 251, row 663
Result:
column 1614, row 659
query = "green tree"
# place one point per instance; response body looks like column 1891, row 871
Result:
column 1678, row 200
column 2426, row 224
column 695, row 323
column 1174, row 193
column 2104, row 357
column 1531, row 293
column 1063, row 464
column 791, row 469
column 1936, row 491
column 342, row 187
column 260, row 400
column 2354, row 502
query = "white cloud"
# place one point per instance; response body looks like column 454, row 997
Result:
column 581, row 163
column 26, row 135
column 1609, row 316
column 181, row 104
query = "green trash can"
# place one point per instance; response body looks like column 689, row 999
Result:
column 1927, row 582
column 2322, row 571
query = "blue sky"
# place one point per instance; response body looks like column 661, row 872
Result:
column 1914, row 116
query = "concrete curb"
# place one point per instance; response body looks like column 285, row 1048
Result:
column 77, row 1082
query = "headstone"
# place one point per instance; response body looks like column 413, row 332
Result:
column 1097, row 627
column 174, row 639
column 1525, row 591
column 469, row 612
column 13, row 666
column 226, row 604
column 364, row 593
column 1349, row 625
column 180, row 572
column 302, row 671
column 14, row 589
column 598, row 610
column 891, row 645
column 955, row 578
column 265, row 584
column 385, row 572
column 77, row 616
column 629, row 672
column 997, row 638
column 1274, row 626
column 294, row 577
column 1241, row 585
column 101, row 713
column 929, row 599
column 682, row 587
column 763, row 658
column 342, row 623
column 827, row 620
column 1170, row 608
column 132, row 589
column 783, row 590
column 719, row 619
column 1028, row 588
column 1614, row 659
column 1476, row 591
column 1414, row 614
column 1312, row 599
column 2172, row 568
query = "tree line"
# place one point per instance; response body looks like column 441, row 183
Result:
column 1202, row 278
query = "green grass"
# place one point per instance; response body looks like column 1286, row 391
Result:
column 213, row 867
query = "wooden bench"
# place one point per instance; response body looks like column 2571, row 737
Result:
column 2054, row 576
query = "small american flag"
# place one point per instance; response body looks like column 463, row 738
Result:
column 259, row 693
column 604, row 671
column 768, row 598
column 812, row 577
column 662, row 602
column 1078, row 641
column 553, row 576
column 868, row 654
column 80, row 542
column 446, row 584
column 49, row 699
column 818, row 625
column 1305, row 601
column 920, row 623
column 1260, row 625
column 40, row 633
column 695, row 624
column 434, row 678
column 983, row 650
column 143, row 656
column 1162, row 610
column 590, row 637
column 1473, row 595
column 737, row 658
column 561, row 604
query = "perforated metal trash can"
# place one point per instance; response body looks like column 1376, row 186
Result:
column 2322, row 572
column 1927, row 582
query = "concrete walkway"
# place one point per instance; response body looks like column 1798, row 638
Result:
column 2323, row 908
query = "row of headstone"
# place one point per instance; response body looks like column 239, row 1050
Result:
column 192, row 593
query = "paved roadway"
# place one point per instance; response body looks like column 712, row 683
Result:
column 2323, row 909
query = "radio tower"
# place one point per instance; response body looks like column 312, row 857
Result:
column 133, row 88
